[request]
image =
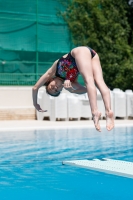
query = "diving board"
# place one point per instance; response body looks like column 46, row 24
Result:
column 110, row 166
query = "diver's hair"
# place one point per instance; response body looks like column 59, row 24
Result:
column 46, row 86
column 47, row 83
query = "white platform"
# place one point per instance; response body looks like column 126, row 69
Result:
column 110, row 166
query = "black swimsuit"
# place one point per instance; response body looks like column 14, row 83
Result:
column 93, row 53
column 67, row 67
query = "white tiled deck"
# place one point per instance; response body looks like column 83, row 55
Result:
column 35, row 124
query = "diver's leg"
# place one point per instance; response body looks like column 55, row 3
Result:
column 98, row 77
column 84, row 64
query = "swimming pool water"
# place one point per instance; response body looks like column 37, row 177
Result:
column 31, row 164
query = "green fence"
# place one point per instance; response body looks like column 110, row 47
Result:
column 23, row 78
column 32, row 36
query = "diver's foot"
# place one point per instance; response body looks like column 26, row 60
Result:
column 109, row 120
column 96, row 117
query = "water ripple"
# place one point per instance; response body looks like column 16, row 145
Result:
column 34, row 158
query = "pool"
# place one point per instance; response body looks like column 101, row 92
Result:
column 31, row 164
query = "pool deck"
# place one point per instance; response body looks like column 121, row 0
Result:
column 34, row 124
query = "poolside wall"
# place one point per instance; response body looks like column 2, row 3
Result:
column 16, row 103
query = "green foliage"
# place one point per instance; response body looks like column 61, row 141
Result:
column 104, row 25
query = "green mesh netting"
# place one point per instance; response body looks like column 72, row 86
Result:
column 32, row 36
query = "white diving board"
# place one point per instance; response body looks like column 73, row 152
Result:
column 110, row 166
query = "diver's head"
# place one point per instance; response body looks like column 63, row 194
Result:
column 54, row 86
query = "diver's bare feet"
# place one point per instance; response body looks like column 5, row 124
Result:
column 96, row 118
column 109, row 120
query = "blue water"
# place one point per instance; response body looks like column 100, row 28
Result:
column 31, row 164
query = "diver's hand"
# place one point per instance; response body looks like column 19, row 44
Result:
column 67, row 84
column 37, row 106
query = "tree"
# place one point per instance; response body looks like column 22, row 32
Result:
column 104, row 26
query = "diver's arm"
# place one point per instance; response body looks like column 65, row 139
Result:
column 44, row 78
column 76, row 88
